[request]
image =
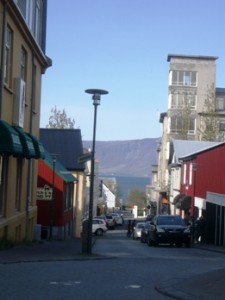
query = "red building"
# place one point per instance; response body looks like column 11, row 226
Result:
column 54, row 199
column 203, row 179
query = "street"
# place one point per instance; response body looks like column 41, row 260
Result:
column 123, row 269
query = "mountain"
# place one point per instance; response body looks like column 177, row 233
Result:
column 125, row 158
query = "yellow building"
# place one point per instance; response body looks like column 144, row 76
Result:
column 23, row 61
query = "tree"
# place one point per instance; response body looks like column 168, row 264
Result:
column 137, row 197
column 59, row 119
column 209, row 129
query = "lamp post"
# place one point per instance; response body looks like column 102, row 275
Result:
column 96, row 96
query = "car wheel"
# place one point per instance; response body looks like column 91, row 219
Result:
column 149, row 242
column 99, row 232
column 155, row 242
column 188, row 244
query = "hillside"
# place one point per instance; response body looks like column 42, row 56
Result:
column 127, row 158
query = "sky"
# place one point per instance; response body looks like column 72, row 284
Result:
column 122, row 46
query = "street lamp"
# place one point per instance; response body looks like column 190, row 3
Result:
column 96, row 96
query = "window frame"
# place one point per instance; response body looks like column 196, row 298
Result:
column 8, row 57
column 184, row 78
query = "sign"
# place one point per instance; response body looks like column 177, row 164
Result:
column 44, row 193
column 84, row 158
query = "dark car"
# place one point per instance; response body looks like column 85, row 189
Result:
column 168, row 229
column 144, row 232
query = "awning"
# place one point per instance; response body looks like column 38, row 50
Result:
column 26, row 141
column 10, row 143
column 60, row 170
column 39, row 149
column 177, row 198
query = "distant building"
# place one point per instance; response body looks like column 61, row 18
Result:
column 108, row 197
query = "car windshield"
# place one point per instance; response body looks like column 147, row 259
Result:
column 170, row 220
column 140, row 225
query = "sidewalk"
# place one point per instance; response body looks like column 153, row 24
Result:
column 209, row 286
column 206, row 287
column 43, row 251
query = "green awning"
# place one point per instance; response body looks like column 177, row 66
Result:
column 26, row 141
column 10, row 143
column 39, row 149
column 59, row 168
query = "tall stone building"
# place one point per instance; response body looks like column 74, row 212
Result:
column 23, row 62
column 195, row 111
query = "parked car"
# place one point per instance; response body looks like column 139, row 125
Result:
column 102, row 218
column 98, row 226
column 168, row 229
column 137, row 230
column 144, row 232
column 118, row 218
column 111, row 221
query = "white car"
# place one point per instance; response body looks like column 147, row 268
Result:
column 98, row 226
column 137, row 230
column 118, row 218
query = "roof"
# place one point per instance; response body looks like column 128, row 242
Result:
column 60, row 170
column 200, row 57
column 186, row 148
column 220, row 91
column 66, row 144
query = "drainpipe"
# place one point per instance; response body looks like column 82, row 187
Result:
column 30, row 162
column 2, row 54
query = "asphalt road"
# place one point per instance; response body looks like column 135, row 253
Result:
column 123, row 269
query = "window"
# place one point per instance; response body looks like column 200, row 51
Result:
column 184, row 173
column 8, row 57
column 220, row 103
column 31, row 10
column 23, row 62
column 68, row 196
column 180, row 101
column 180, row 124
column 184, row 78
column 222, row 125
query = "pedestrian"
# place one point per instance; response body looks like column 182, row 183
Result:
column 129, row 229
column 200, row 229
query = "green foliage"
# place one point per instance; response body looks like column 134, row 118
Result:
column 137, row 197
column 59, row 119
column 210, row 124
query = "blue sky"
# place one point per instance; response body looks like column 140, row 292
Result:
column 122, row 46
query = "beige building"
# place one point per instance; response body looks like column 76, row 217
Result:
column 23, row 62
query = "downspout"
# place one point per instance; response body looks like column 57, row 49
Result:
column 2, row 55
column 30, row 162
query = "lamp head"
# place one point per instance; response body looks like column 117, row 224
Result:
column 96, row 95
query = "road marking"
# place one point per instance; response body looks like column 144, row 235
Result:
column 68, row 283
column 133, row 286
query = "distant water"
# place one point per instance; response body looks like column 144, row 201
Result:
column 125, row 184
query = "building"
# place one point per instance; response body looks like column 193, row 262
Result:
column 66, row 145
column 55, row 194
column 203, row 180
column 23, row 62
column 195, row 111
